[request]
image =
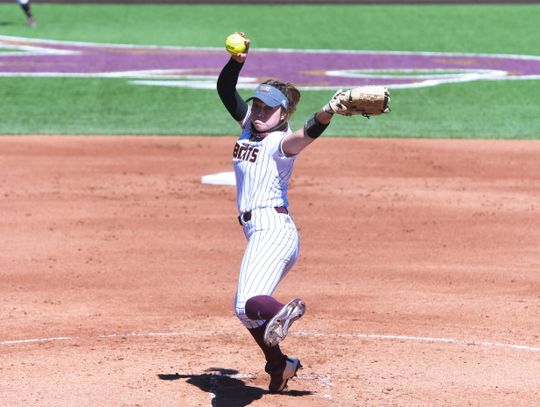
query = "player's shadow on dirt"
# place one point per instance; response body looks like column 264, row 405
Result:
column 228, row 391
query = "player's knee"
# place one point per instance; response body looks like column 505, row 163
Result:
column 240, row 312
column 239, row 309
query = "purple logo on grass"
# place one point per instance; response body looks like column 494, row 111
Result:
column 308, row 69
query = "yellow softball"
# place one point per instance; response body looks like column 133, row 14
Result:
column 235, row 44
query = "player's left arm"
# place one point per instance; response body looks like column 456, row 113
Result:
column 366, row 101
column 295, row 142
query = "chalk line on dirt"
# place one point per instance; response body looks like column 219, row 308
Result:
column 364, row 336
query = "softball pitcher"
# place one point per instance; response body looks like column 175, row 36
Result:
column 263, row 158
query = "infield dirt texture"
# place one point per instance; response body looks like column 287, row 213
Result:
column 420, row 229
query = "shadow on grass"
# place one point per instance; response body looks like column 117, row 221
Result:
column 228, row 391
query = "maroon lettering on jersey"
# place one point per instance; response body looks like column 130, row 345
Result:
column 244, row 153
column 254, row 154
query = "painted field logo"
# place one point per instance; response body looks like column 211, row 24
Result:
column 308, row 69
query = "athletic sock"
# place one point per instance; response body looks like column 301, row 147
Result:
column 275, row 359
column 262, row 307
column 27, row 10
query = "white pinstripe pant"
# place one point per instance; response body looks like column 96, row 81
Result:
column 272, row 249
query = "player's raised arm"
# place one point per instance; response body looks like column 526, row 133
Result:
column 228, row 78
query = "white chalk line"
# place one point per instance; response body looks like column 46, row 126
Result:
column 209, row 82
column 365, row 336
column 470, row 342
column 325, row 381
column 35, row 340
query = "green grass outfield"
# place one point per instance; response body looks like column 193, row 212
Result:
column 482, row 109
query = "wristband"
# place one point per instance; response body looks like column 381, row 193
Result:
column 314, row 128
column 328, row 109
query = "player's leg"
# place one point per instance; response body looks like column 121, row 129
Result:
column 273, row 355
column 27, row 9
column 279, row 366
column 269, row 256
column 275, row 359
column 261, row 306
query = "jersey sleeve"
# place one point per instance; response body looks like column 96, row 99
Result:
column 282, row 152
column 276, row 145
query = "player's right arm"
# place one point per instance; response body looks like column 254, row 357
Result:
column 226, row 85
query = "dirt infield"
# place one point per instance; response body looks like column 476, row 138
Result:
column 419, row 265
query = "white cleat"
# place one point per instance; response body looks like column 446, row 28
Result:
column 277, row 328
column 279, row 378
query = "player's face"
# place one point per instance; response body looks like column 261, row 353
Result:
column 265, row 117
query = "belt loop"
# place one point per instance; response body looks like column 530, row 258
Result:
column 246, row 216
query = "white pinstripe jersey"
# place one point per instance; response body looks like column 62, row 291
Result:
column 261, row 168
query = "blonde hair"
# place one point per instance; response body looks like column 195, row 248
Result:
column 289, row 90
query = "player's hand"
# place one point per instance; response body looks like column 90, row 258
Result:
column 241, row 58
